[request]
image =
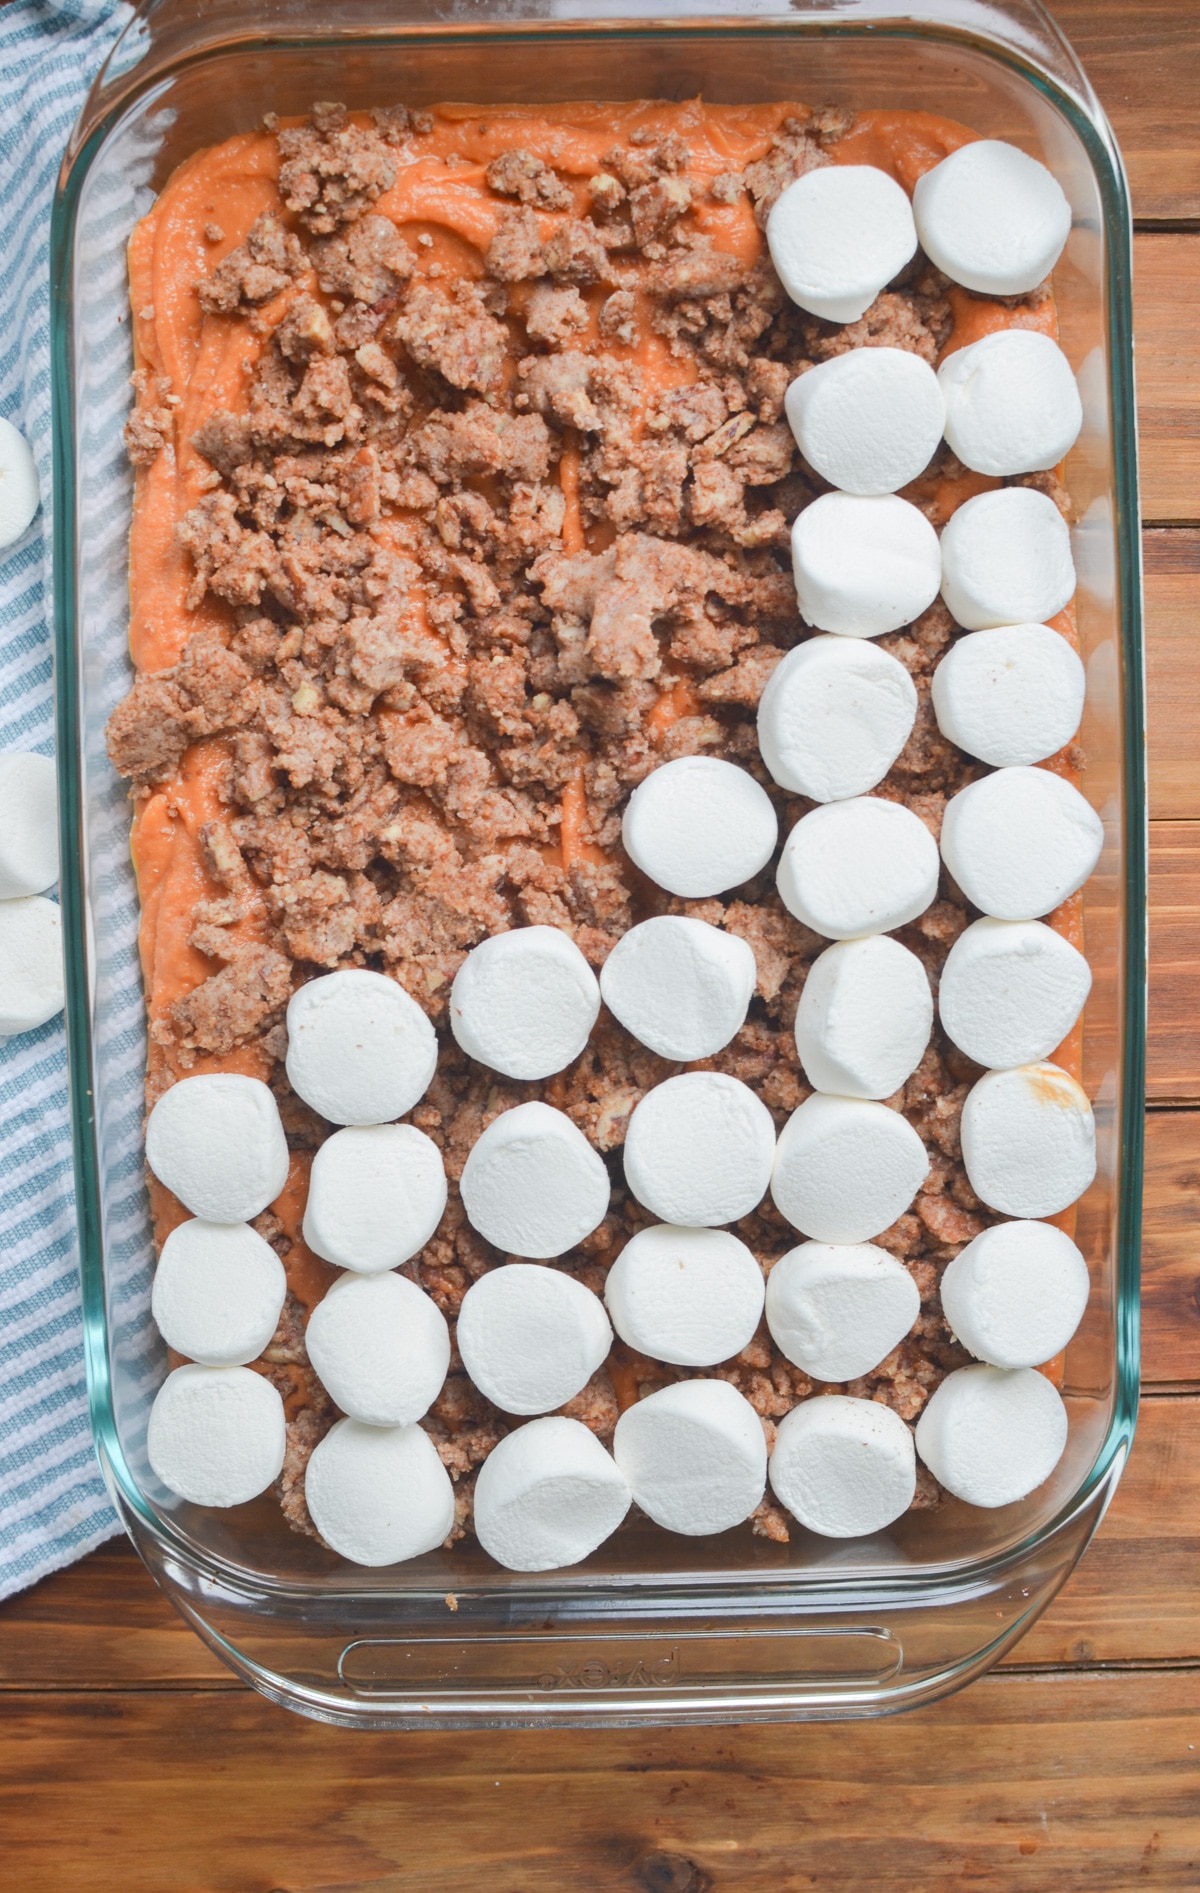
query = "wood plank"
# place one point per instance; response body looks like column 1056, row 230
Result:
column 1172, row 588
column 1171, row 1250
column 1174, row 1039
column 1144, row 61
column 1166, row 287
column 1083, row 1784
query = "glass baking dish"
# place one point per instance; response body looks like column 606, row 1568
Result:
column 653, row 1628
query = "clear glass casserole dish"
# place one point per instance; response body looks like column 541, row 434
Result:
column 652, row 1628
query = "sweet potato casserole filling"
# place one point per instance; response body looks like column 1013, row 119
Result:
column 463, row 502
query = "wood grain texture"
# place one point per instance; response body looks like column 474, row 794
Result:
column 1144, row 61
column 1069, row 1783
column 1166, row 288
column 1173, row 1050
column 1172, row 591
column 1171, row 1251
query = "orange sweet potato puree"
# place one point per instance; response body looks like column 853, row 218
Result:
column 209, row 359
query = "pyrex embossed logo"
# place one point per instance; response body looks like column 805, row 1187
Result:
column 593, row 1672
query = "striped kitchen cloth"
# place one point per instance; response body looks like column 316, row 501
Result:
column 53, row 1505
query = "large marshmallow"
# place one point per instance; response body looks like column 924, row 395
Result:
column 994, row 219
column 1019, row 841
column 547, row 1496
column 838, row 1309
column 1012, row 403
column 31, row 964
column 843, row 1467
column 679, row 985
column 858, row 867
column 867, row 421
column 1010, row 695
column 1011, row 990
column 1006, row 559
column 216, row 1141
column 695, row 1456
column 864, row 566
column 379, row 1494
column 1028, row 1140
column 376, row 1194
column 846, row 1168
column 991, row 1436
column 523, row 1003
column 28, row 822
column 216, row 1435
column 699, row 1150
column 834, row 716
column 1016, row 1294
column 530, row 1337
column 360, row 1050
column 380, row 1348
column 837, row 236
column 20, row 492
column 699, row 826
column 689, row 1296
column 533, row 1185
column 218, row 1292
column 864, row 1018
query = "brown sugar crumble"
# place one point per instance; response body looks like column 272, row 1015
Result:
column 469, row 575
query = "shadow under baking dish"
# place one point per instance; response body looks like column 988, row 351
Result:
column 652, row 1628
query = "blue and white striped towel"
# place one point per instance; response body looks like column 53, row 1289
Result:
column 53, row 1506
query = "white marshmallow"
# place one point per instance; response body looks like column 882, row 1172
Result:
column 689, row 1296
column 992, row 218
column 533, row 1185
column 1011, row 990
column 379, row 1494
column 1006, row 559
column 380, row 1348
column 858, row 867
column 991, row 1437
column 695, row 1456
column 1019, row 841
column 530, row 1337
column 547, row 1496
column 837, row 1310
column 376, row 1194
column 31, row 968
column 867, row 421
column 218, row 1292
column 679, row 985
column 834, row 716
column 1011, row 695
column 28, row 823
column 699, row 1150
column 20, row 490
column 846, row 1168
column 864, row 565
column 698, row 826
column 837, row 236
column 216, row 1434
column 216, row 1141
column 1028, row 1140
column 864, row 1018
column 360, row 1050
column 523, row 1003
column 1015, row 1296
column 843, row 1467
column 1012, row 404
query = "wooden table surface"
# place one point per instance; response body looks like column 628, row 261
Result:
column 132, row 1762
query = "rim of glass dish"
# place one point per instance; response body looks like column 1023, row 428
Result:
column 1084, row 116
